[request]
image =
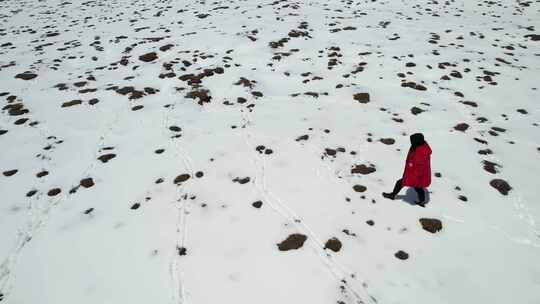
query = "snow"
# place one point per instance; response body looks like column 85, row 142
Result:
column 136, row 236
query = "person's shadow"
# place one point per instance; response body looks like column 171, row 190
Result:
column 411, row 196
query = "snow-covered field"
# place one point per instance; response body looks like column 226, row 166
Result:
column 235, row 151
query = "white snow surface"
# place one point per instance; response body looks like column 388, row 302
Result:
column 201, row 240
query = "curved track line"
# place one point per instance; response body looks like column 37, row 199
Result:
column 182, row 202
column 39, row 215
column 340, row 272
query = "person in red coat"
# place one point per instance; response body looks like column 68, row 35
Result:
column 417, row 173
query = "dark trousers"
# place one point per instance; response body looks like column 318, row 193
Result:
column 420, row 191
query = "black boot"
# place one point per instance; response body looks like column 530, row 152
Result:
column 389, row 195
column 397, row 188
column 421, row 197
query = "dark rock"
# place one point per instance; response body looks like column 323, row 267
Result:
column 293, row 241
column 135, row 206
column 54, row 192
column 88, row 211
column 387, row 141
column 200, row 94
column 245, row 82
column 481, row 141
column 74, row 189
column 16, row 109
column 312, row 94
column 481, row 119
column 485, row 152
column 416, row 110
column 420, row 87
column 408, row 84
column 359, row 188
column 241, row 180
column 493, row 133
column 167, row 75
column 20, row 121
column 456, row 74
column 363, row 169
column 87, row 91
column 361, row 97
column 431, row 224
column 181, row 250
column 277, row 44
column 165, row 47
column 490, row 166
column 470, row 103
column 333, row 244
column 199, row 174
column 501, row 185
column 181, row 178
column 461, row 127
column 402, row 255
column 462, row 198
column 303, row 137
column 31, row 193
column 125, row 90
column 93, row 101
column 87, row 182
column 330, row 152
column 498, row 129
column 257, row 204
column 370, row 222
column 71, row 103
column 533, row 37
column 26, row 76
column 347, row 232
column 502, row 60
column 106, row 157
column 10, row 172
column 148, row 57
column 133, row 93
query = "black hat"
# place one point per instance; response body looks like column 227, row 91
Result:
column 417, row 139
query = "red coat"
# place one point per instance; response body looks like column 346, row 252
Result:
column 417, row 171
